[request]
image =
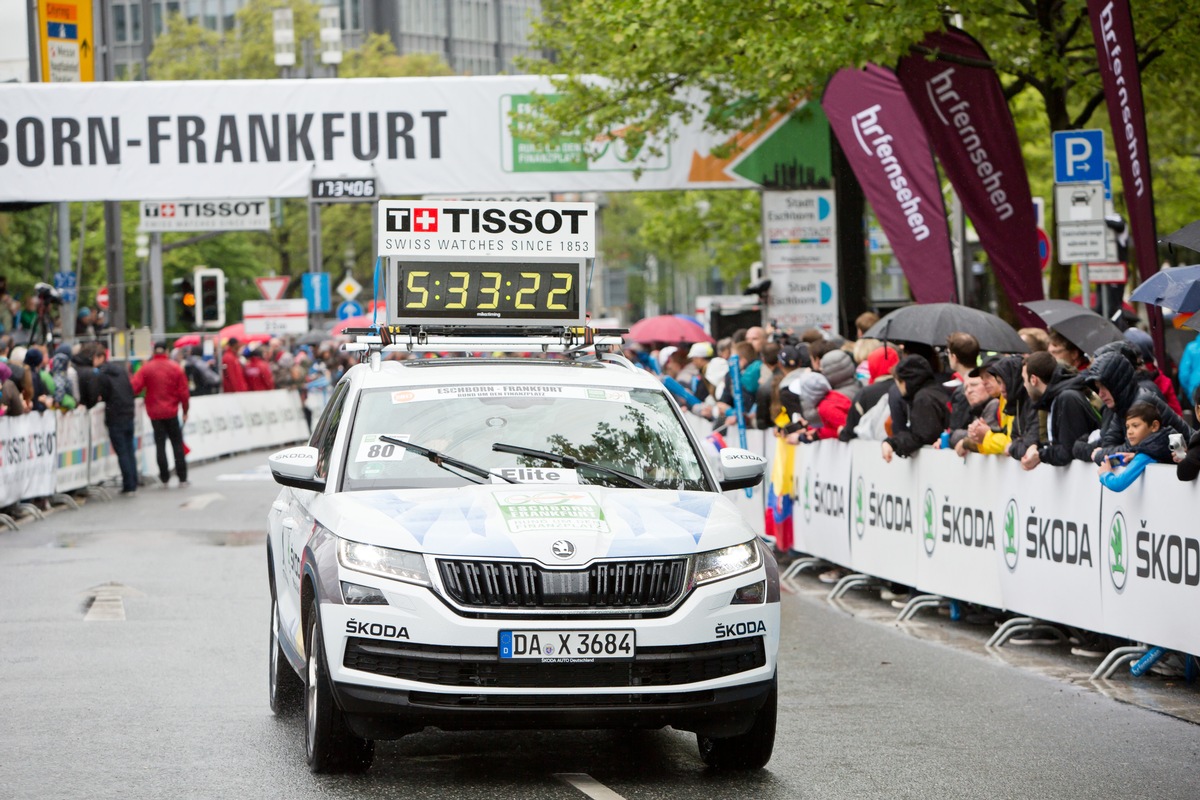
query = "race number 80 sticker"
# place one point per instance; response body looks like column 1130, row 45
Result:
column 372, row 448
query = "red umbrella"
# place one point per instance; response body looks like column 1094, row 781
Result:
column 188, row 340
column 667, row 329
column 238, row 331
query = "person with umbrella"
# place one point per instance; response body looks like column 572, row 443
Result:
column 1066, row 353
column 927, row 411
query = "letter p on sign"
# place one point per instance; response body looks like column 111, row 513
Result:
column 1078, row 156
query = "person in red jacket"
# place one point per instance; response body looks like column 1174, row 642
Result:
column 258, row 372
column 166, row 389
column 233, row 379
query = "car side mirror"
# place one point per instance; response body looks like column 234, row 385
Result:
column 296, row 467
column 741, row 469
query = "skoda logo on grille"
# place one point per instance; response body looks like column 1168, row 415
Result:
column 563, row 549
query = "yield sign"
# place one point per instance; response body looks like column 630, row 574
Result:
column 272, row 287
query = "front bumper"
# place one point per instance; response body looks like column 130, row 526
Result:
column 707, row 666
column 374, row 713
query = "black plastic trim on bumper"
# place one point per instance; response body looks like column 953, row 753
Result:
column 390, row 713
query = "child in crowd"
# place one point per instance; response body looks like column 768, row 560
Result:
column 1147, row 444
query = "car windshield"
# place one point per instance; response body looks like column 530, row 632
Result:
column 633, row 431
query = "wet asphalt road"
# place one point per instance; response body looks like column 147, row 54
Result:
column 170, row 701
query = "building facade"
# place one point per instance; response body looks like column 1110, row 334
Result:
column 475, row 37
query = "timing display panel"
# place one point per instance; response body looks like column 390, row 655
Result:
column 487, row 292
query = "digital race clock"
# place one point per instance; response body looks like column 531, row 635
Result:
column 343, row 190
column 456, row 292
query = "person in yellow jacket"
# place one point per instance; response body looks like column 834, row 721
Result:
column 991, row 432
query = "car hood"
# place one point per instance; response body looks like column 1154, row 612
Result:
column 532, row 521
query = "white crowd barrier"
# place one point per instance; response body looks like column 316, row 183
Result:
column 1050, row 543
column 45, row 453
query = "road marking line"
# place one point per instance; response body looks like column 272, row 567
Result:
column 588, row 785
column 200, row 501
column 107, row 607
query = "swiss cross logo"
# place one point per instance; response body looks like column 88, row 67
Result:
column 414, row 220
column 168, row 209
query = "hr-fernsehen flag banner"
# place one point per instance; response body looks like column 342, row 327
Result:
column 883, row 140
column 1116, row 51
column 960, row 102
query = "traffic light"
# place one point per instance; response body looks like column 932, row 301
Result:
column 210, row 297
column 184, row 294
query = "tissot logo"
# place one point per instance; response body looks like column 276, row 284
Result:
column 563, row 549
column 412, row 220
column 166, row 210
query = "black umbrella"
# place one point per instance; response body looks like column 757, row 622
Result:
column 1081, row 326
column 1188, row 236
column 931, row 323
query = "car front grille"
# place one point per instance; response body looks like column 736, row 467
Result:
column 605, row 585
column 552, row 701
column 482, row 667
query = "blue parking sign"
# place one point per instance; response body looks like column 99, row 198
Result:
column 1079, row 156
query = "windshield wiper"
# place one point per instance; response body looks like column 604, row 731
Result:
column 448, row 463
column 569, row 462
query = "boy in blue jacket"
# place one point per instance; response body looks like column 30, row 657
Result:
column 1147, row 442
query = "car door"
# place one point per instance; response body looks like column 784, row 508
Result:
column 296, row 520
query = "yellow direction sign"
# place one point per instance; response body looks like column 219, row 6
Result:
column 67, row 40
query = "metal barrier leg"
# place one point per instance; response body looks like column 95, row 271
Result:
column 916, row 604
column 9, row 522
column 31, row 509
column 98, row 491
column 799, row 565
column 64, row 500
column 1117, row 659
column 847, row 583
column 1022, row 625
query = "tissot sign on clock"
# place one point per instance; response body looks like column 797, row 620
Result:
column 502, row 229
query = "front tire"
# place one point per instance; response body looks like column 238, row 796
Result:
column 749, row 750
column 329, row 744
column 284, row 687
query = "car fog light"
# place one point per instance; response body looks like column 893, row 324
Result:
column 358, row 595
column 750, row 595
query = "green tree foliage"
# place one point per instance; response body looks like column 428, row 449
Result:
column 377, row 58
column 731, row 63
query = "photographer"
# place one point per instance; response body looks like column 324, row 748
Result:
column 44, row 304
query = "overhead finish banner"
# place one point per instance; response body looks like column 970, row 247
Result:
column 887, row 149
column 1116, row 51
column 213, row 139
column 961, row 104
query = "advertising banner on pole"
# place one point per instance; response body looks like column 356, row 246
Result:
column 126, row 140
column 1116, row 50
column 883, row 140
column 962, row 106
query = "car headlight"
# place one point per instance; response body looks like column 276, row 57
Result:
column 398, row 565
column 717, row 564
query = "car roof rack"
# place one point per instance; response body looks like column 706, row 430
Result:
column 573, row 342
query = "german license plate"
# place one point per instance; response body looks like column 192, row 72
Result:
column 567, row 646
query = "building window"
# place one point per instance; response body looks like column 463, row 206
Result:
column 120, row 26
column 135, row 22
